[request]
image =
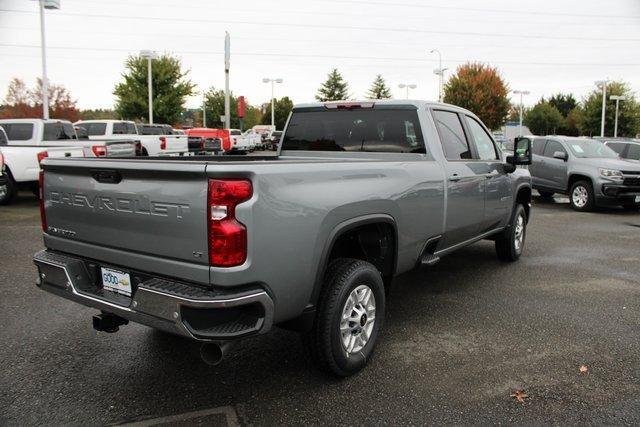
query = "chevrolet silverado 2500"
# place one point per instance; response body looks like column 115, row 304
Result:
column 221, row 248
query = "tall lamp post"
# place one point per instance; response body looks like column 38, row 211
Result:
column 407, row 86
column 603, row 84
column 521, row 93
column 42, row 5
column 616, row 98
column 272, row 81
column 149, row 55
column 439, row 72
column 204, row 111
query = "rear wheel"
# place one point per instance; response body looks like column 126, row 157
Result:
column 510, row 245
column 349, row 317
column 581, row 196
column 8, row 190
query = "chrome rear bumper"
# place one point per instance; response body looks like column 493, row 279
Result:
column 182, row 309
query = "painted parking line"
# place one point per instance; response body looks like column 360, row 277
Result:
column 221, row 416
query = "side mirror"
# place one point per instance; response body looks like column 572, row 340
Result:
column 521, row 152
column 560, row 155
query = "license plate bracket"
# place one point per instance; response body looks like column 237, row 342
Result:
column 116, row 281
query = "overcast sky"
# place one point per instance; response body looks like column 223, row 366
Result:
column 543, row 46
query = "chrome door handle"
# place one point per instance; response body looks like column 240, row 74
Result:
column 455, row 178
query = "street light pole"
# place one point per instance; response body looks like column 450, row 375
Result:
column 272, row 81
column 521, row 92
column 408, row 86
column 149, row 55
column 439, row 72
column 616, row 98
column 204, row 112
column 603, row 83
column 42, row 5
column 227, row 65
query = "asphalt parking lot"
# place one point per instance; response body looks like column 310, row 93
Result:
column 460, row 337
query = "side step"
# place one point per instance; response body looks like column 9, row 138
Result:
column 428, row 257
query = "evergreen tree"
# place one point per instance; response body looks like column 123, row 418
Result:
column 334, row 88
column 379, row 89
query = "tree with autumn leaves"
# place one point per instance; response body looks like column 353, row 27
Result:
column 22, row 102
column 480, row 89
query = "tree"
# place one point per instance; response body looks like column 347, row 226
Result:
column 628, row 117
column 544, row 119
column 98, row 114
column 480, row 89
column 334, row 88
column 22, row 102
column 282, row 108
column 170, row 87
column 379, row 89
column 564, row 103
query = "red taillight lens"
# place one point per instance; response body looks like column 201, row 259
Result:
column 43, row 217
column 163, row 143
column 227, row 236
column 99, row 150
column 42, row 155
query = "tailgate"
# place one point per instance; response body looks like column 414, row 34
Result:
column 121, row 148
column 155, row 208
column 177, row 143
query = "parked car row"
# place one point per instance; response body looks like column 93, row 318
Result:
column 592, row 172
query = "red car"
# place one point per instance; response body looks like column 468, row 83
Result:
column 207, row 140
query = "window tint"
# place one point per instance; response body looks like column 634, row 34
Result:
column 454, row 141
column 484, row 144
column 235, row 132
column 370, row 130
column 18, row 131
column 150, row 130
column 58, row 131
column 552, row 147
column 634, row 152
column 3, row 138
column 119, row 128
column 538, row 146
column 131, row 128
column 94, row 129
column 618, row 147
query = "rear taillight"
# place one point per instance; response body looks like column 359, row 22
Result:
column 163, row 143
column 43, row 217
column 99, row 150
column 42, row 155
column 227, row 236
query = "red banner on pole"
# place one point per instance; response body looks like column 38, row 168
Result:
column 241, row 106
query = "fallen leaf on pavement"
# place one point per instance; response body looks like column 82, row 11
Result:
column 584, row 369
column 519, row 395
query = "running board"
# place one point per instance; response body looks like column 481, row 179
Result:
column 430, row 259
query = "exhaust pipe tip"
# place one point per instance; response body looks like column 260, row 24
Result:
column 213, row 353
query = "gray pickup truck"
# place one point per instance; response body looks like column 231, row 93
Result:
column 221, row 248
column 586, row 169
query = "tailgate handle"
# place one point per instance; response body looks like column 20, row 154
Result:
column 106, row 176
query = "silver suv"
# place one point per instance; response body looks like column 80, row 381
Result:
column 591, row 173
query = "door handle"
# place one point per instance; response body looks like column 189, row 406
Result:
column 455, row 178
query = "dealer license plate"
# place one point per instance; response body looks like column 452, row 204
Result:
column 116, row 281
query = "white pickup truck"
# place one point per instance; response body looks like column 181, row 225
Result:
column 24, row 142
column 239, row 142
column 152, row 145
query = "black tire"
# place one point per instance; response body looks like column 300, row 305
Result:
column 590, row 203
column 632, row 207
column 11, row 190
column 507, row 248
column 324, row 342
column 546, row 194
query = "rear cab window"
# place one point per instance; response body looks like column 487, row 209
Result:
column 379, row 130
column 94, row 129
column 58, row 131
column 538, row 146
column 18, row 131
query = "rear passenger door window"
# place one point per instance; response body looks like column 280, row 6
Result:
column 552, row 147
column 618, row 147
column 484, row 144
column 538, row 146
column 452, row 136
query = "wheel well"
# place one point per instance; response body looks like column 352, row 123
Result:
column 524, row 198
column 575, row 178
column 374, row 243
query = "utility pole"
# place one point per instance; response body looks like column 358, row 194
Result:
column 603, row 83
column 616, row 98
column 272, row 81
column 439, row 72
column 42, row 5
column 227, row 61
column 521, row 92
column 204, row 112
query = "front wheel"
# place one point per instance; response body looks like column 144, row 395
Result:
column 8, row 190
column 349, row 317
column 581, row 196
column 510, row 245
